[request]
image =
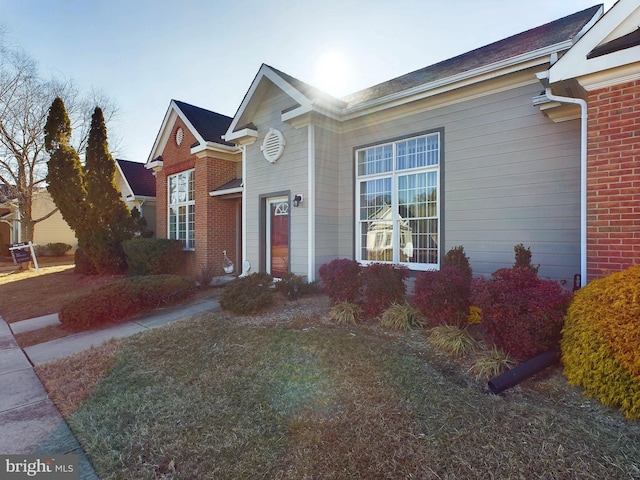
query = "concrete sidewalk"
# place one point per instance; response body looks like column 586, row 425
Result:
column 29, row 421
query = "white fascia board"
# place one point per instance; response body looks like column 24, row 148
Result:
column 126, row 182
column 621, row 19
column 161, row 137
column 216, row 147
column 245, row 132
column 267, row 73
column 504, row 67
column 219, row 193
column 154, row 165
column 165, row 130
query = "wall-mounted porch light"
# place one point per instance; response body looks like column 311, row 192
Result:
column 297, row 200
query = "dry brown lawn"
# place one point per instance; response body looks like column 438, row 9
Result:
column 29, row 293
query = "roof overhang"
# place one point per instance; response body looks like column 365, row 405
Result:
column 610, row 67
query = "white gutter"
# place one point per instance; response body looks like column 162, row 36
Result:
column 243, row 212
column 583, row 174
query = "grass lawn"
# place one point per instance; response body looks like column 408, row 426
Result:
column 29, row 293
column 291, row 395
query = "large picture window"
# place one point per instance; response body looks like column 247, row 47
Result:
column 398, row 202
column 182, row 208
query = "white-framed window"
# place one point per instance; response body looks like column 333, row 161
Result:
column 181, row 203
column 398, row 202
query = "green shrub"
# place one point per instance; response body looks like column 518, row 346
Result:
column 401, row 316
column 600, row 341
column 382, row 285
column 523, row 258
column 457, row 258
column 345, row 313
column 248, row 294
column 123, row 299
column 341, row 280
column 153, row 256
column 83, row 263
column 293, row 286
column 56, row 249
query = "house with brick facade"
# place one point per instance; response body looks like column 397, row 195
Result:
column 485, row 150
column 198, row 185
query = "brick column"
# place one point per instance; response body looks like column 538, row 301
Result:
column 613, row 175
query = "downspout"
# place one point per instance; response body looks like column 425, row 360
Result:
column 583, row 172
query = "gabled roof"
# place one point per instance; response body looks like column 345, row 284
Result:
column 205, row 125
column 544, row 41
column 554, row 33
column 608, row 52
column 140, row 181
column 210, row 125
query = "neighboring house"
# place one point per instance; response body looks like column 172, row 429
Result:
column 53, row 229
column 470, row 151
column 136, row 183
column 138, row 187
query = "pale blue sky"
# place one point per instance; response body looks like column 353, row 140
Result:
column 143, row 53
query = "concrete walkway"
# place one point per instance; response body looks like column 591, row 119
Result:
column 29, row 422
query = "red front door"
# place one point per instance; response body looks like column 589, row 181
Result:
column 278, row 237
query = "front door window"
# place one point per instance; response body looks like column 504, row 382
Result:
column 278, row 237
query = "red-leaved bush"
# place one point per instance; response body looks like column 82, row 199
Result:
column 341, row 280
column 382, row 285
column 521, row 314
column 442, row 296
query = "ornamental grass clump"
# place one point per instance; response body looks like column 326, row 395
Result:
column 453, row 340
column 600, row 341
column 346, row 313
column 402, row 316
column 491, row 363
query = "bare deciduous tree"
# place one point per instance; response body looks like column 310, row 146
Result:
column 25, row 98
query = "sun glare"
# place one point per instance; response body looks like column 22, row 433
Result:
column 331, row 73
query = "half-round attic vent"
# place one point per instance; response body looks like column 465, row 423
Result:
column 273, row 145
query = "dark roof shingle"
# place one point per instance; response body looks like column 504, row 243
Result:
column 210, row 125
column 140, row 179
column 537, row 38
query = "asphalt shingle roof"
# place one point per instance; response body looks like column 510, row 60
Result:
column 546, row 35
column 210, row 125
column 141, row 180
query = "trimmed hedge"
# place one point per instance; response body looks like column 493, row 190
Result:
column 600, row 341
column 153, row 256
column 124, row 299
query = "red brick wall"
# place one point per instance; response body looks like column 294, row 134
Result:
column 215, row 219
column 613, row 178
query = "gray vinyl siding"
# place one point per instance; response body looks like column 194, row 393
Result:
column 289, row 173
column 510, row 175
column 327, row 193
